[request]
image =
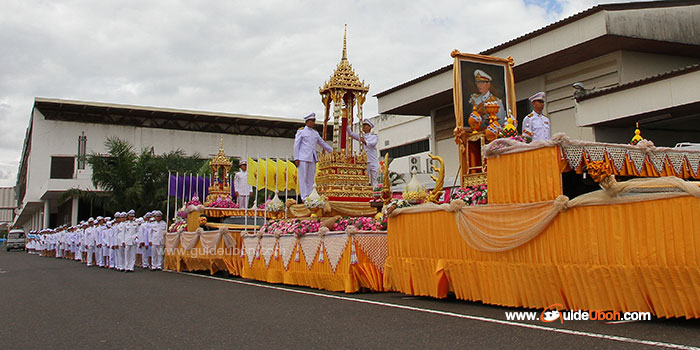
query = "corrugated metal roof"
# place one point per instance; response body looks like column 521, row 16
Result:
column 6, row 215
column 7, row 197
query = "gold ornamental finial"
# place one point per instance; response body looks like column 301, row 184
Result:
column 221, row 144
column 345, row 44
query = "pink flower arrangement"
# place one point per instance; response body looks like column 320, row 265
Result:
column 224, row 203
column 194, row 201
column 292, row 227
column 177, row 225
column 472, row 195
column 362, row 224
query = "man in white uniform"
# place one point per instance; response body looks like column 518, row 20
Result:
column 536, row 124
column 143, row 240
column 369, row 139
column 305, row 155
column 241, row 186
column 89, row 241
column 130, row 239
column 156, row 240
column 120, row 236
column 99, row 239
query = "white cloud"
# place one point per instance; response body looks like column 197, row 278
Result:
column 255, row 57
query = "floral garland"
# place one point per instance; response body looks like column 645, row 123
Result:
column 472, row 195
column 291, row 227
column 361, row 223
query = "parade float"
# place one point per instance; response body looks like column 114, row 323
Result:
column 515, row 233
column 333, row 240
column 628, row 246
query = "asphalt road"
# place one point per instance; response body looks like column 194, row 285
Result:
column 61, row 304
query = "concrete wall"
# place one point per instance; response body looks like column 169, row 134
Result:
column 650, row 97
column 60, row 138
column 640, row 65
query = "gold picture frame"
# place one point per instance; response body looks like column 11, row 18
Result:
column 501, row 72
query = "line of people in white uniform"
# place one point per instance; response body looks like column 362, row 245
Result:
column 107, row 243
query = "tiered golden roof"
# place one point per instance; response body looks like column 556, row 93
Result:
column 344, row 77
column 342, row 174
column 220, row 160
column 220, row 167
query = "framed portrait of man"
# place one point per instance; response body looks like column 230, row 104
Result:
column 479, row 81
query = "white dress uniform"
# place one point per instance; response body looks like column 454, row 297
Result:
column 305, row 143
column 534, row 124
column 99, row 255
column 156, row 239
column 240, row 185
column 119, row 236
column 537, row 126
column 371, row 140
column 143, row 243
column 58, row 241
column 90, row 239
column 111, row 241
column 130, row 241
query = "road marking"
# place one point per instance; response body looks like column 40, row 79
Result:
column 452, row 314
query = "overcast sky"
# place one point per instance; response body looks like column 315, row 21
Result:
column 252, row 57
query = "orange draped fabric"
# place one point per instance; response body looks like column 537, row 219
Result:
column 199, row 259
column 526, row 177
column 348, row 278
column 625, row 257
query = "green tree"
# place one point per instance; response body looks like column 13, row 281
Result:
column 132, row 180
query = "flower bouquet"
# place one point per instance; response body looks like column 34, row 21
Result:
column 472, row 195
column 194, row 201
column 177, row 224
column 361, row 223
column 315, row 203
column 224, row 203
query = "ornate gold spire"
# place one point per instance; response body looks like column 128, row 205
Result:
column 345, row 44
column 220, row 160
column 344, row 77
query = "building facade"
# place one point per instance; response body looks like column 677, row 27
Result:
column 637, row 62
column 60, row 131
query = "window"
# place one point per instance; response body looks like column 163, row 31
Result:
column 407, row 149
column 62, row 167
column 82, row 143
column 523, row 108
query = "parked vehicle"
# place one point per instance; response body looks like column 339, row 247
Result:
column 15, row 239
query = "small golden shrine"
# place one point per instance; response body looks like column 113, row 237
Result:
column 342, row 174
column 220, row 166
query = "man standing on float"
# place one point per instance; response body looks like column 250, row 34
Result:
column 305, row 155
column 369, row 139
column 241, row 186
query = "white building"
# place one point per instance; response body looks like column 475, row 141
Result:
column 50, row 166
column 638, row 61
column 8, row 203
